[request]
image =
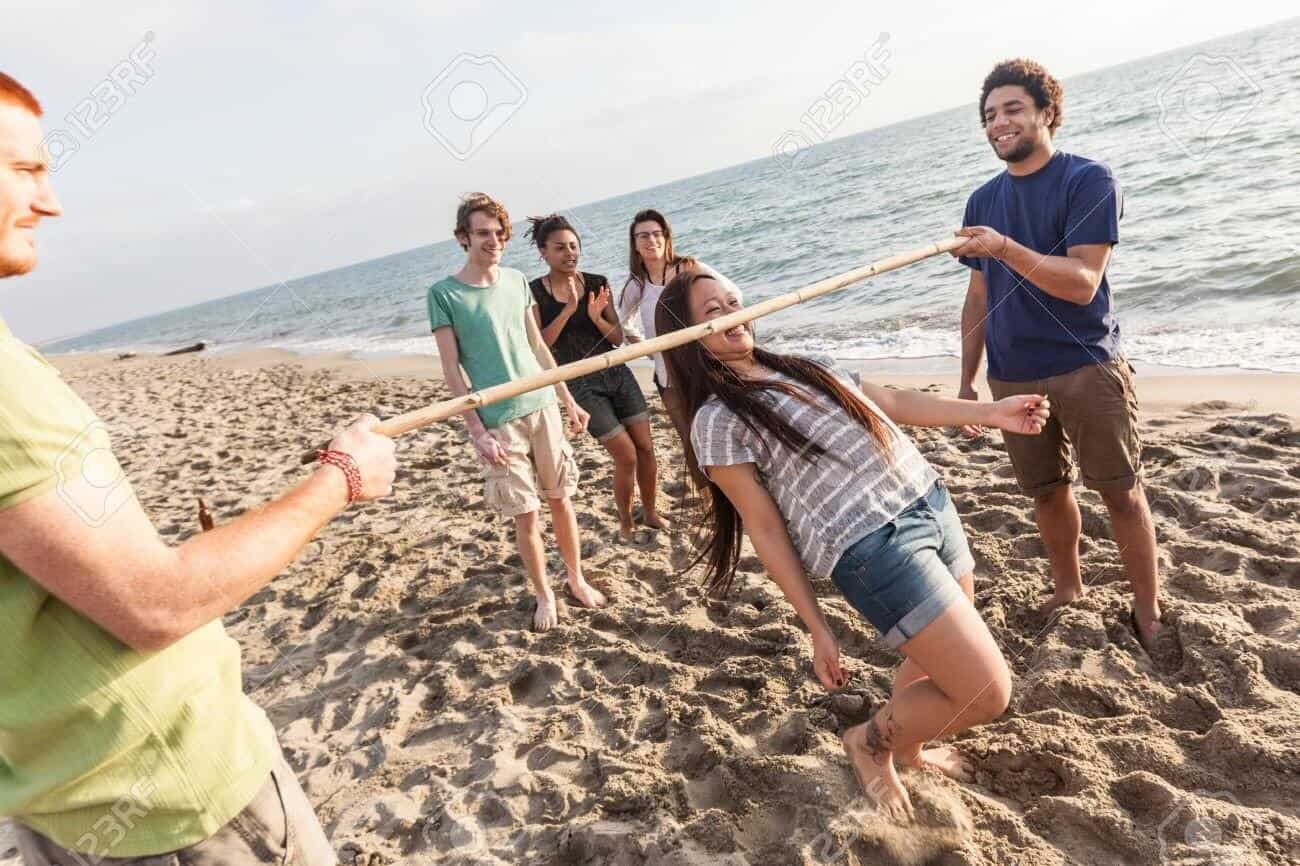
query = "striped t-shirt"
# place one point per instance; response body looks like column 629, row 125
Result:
column 828, row 502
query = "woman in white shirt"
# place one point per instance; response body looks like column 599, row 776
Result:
column 653, row 263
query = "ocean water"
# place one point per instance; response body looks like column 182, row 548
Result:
column 1207, row 272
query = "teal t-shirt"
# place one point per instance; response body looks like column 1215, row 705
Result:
column 490, row 333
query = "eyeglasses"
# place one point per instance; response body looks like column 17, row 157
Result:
column 645, row 236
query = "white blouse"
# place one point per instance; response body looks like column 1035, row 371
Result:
column 645, row 297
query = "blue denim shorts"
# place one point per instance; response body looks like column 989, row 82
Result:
column 904, row 574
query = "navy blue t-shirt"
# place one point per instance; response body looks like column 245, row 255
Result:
column 1029, row 334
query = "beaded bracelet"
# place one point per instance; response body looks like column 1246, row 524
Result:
column 345, row 462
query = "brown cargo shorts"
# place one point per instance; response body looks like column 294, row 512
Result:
column 1094, row 415
column 278, row 827
column 539, row 464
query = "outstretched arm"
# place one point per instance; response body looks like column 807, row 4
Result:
column 1024, row 413
column 125, row 578
column 767, row 531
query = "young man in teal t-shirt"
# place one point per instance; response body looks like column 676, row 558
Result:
column 483, row 320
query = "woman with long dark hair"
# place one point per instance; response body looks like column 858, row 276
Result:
column 576, row 315
column 818, row 475
column 652, row 263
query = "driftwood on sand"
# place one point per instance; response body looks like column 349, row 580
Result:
column 183, row 350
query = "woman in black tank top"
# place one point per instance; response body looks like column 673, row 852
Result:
column 576, row 314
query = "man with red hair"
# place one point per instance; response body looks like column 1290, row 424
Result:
column 125, row 735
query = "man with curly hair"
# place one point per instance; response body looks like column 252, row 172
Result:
column 1039, row 238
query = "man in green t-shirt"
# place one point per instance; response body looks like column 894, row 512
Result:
column 124, row 730
column 484, row 319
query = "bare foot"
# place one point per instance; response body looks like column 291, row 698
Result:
column 654, row 521
column 1060, row 598
column 586, row 594
column 1147, row 628
column 876, row 773
column 546, row 615
column 941, row 759
column 626, row 529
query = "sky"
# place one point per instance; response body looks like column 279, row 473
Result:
column 205, row 149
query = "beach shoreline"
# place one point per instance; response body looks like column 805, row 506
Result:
column 1161, row 388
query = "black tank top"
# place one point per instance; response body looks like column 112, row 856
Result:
column 580, row 337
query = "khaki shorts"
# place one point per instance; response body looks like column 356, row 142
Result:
column 539, row 464
column 1095, row 414
column 277, row 827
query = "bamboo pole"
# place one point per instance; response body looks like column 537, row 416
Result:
column 408, row 421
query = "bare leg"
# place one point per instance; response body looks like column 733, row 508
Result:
column 1059, row 525
column 647, row 474
column 908, row 672
column 967, row 683
column 528, row 538
column 620, row 448
column 1135, row 533
column 565, row 523
column 943, row 759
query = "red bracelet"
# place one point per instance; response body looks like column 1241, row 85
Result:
column 344, row 461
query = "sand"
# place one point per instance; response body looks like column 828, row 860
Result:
column 428, row 725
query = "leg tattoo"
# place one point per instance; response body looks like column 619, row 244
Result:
column 880, row 738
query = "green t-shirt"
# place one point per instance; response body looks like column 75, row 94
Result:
column 490, row 333
column 90, row 728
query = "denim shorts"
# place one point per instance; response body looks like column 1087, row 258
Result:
column 904, row 574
